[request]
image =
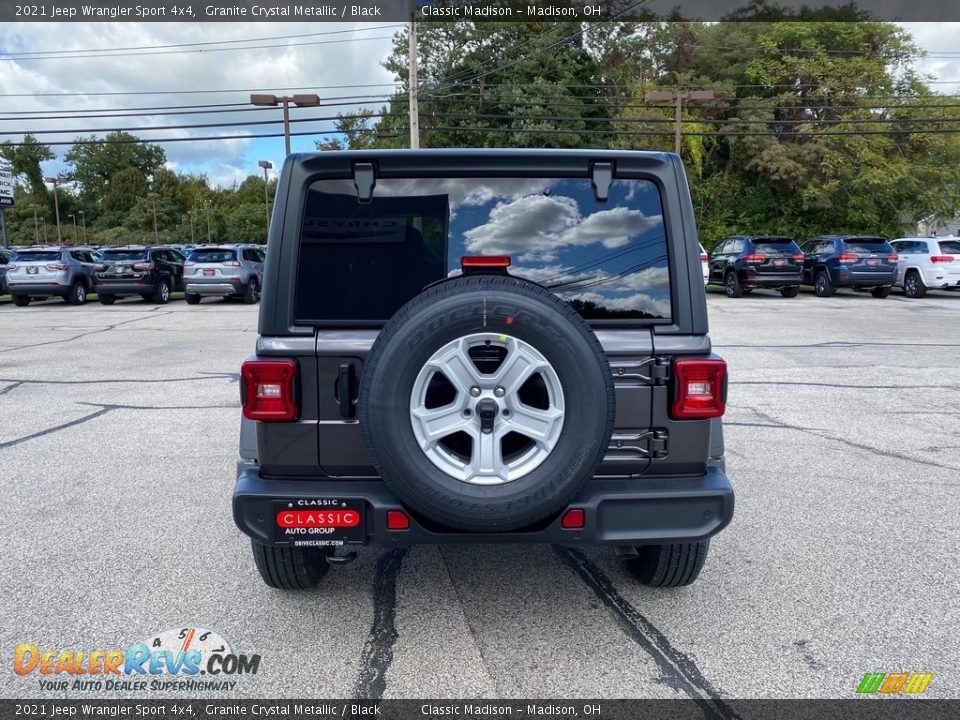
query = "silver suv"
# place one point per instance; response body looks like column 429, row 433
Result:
column 231, row 271
column 927, row 264
column 42, row 272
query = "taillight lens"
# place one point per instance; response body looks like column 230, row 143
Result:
column 941, row 258
column 699, row 388
column 143, row 266
column 755, row 258
column 231, row 263
column 60, row 267
column 798, row 257
column 893, row 257
column 704, row 257
column 268, row 394
column 848, row 257
column 189, row 263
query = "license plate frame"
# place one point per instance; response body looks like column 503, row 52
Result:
column 318, row 535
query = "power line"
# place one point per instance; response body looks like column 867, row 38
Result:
column 199, row 50
column 18, row 53
column 209, row 138
column 196, row 92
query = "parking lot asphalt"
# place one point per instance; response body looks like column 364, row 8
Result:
column 118, row 433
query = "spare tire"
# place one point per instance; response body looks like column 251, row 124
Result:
column 486, row 403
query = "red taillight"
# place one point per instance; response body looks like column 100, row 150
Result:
column 893, row 257
column 572, row 519
column 231, row 263
column 189, row 263
column 699, row 388
column 798, row 257
column 397, row 520
column 61, row 267
column 704, row 257
column 755, row 258
column 848, row 257
column 941, row 258
column 269, row 390
column 484, row 261
column 143, row 266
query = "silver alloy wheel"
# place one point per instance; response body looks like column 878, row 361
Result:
column 164, row 290
column 911, row 284
column 488, row 407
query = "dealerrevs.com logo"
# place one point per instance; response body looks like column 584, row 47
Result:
column 184, row 659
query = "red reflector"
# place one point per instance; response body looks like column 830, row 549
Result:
column 268, row 390
column 318, row 518
column 397, row 520
column 485, row 261
column 698, row 388
column 572, row 519
column 941, row 258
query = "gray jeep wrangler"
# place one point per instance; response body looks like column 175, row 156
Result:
column 461, row 346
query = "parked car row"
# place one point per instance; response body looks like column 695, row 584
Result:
column 153, row 273
column 747, row 262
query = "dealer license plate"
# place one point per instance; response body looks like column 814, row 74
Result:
column 779, row 262
column 207, row 272
column 322, row 522
column 872, row 261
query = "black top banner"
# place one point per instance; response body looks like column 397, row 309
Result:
column 474, row 10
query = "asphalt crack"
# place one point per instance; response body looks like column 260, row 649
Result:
column 108, row 328
column 678, row 669
column 377, row 653
column 233, row 377
column 824, row 435
column 55, row 428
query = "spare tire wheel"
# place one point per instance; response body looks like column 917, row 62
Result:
column 486, row 403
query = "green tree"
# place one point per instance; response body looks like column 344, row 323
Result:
column 96, row 161
column 25, row 159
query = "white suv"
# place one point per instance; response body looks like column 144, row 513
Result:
column 927, row 264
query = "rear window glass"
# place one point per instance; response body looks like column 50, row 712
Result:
column 123, row 255
column 867, row 246
column 776, row 246
column 952, row 247
column 362, row 262
column 213, row 255
column 41, row 256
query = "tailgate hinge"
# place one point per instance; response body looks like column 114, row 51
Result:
column 650, row 444
column 652, row 371
column 660, row 372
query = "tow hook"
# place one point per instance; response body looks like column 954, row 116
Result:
column 341, row 560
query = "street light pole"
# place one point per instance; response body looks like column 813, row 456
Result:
column 207, row 204
column 678, row 97
column 152, row 196
column 56, row 201
column 43, row 220
column 36, row 224
column 413, row 107
column 266, row 165
column 83, row 219
column 285, row 100
column 74, row 218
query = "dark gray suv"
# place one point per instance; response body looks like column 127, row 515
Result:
column 482, row 346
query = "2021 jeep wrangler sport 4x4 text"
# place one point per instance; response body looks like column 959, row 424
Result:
column 461, row 346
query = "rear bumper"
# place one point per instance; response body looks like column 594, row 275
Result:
column 643, row 511
column 34, row 289
column 125, row 287
column 221, row 286
column 774, row 280
column 865, row 279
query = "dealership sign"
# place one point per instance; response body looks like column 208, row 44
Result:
column 6, row 187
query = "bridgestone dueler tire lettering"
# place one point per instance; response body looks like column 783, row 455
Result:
column 464, row 306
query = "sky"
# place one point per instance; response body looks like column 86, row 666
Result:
column 341, row 62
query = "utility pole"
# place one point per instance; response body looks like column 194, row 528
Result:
column 36, row 224
column 285, row 100
column 414, row 108
column 43, row 220
column 152, row 196
column 266, row 165
column 83, row 219
column 56, row 201
column 207, row 205
column 678, row 97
